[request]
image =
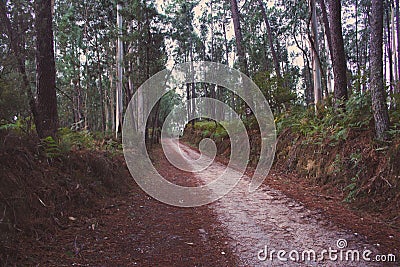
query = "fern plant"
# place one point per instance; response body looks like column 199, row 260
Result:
column 51, row 147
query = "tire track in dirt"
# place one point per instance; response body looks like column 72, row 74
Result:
column 267, row 217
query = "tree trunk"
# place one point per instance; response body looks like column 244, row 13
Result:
column 241, row 55
column 338, row 55
column 239, row 39
column 389, row 54
column 101, row 91
column 270, row 39
column 106, row 108
column 120, row 52
column 365, row 53
column 232, row 94
column 357, row 49
column 394, row 48
column 325, row 19
column 193, row 85
column 47, row 119
column 315, row 57
column 398, row 50
column 378, row 93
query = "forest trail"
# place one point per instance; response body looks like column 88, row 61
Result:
column 269, row 219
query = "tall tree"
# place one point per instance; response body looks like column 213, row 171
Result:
column 239, row 39
column 270, row 40
column 398, row 48
column 120, row 58
column 378, row 94
column 47, row 116
column 315, row 56
column 338, row 55
column 241, row 52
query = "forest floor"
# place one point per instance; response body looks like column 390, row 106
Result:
column 84, row 209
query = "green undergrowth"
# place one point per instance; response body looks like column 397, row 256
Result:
column 211, row 129
column 70, row 140
column 67, row 140
column 334, row 123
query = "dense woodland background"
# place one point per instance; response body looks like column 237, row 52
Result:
column 329, row 69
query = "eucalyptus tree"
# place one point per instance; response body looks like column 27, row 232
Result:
column 270, row 39
column 240, row 50
column 377, row 90
column 46, row 120
column 337, row 51
column 314, row 43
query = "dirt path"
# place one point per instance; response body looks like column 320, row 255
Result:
column 130, row 228
column 268, row 220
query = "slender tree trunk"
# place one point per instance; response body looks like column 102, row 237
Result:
column 315, row 58
column 112, row 99
column 232, row 94
column 398, row 52
column 378, row 93
column 189, row 110
column 389, row 53
column 270, row 39
column 47, row 119
column 338, row 55
column 193, row 85
column 325, row 19
column 106, row 107
column 212, row 86
column 327, row 32
column 357, row 49
column 239, row 39
column 101, row 91
column 120, row 52
column 241, row 55
column 395, row 62
column 365, row 53
column 394, row 47
column 324, row 71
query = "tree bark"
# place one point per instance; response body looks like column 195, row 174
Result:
column 325, row 19
column 378, row 93
column 389, row 53
column 120, row 53
column 315, row 57
column 47, row 119
column 338, row 55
